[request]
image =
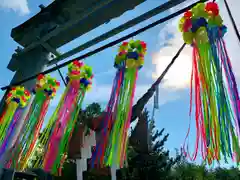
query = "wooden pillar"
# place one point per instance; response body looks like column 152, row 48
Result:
column 81, row 167
column 26, row 65
column 113, row 173
column 86, row 152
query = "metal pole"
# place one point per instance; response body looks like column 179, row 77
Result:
column 232, row 20
column 138, row 107
column 61, row 75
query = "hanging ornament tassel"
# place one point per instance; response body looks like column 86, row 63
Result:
column 64, row 118
column 45, row 135
column 111, row 151
column 216, row 94
column 44, row 91
column 16, row 100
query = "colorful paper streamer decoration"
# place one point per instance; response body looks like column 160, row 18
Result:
column 111, row 151
column 16, row 100
column 57, row 134
column 44, row 91
column 216, row 94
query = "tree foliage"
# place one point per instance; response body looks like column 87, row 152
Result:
column 156, row 162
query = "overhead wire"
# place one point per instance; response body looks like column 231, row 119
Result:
column 232, row 20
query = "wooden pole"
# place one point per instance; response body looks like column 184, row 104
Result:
column 28, row 64
column 86, row 152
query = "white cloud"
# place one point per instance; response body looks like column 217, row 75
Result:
column 20, row 6
column 178, row 76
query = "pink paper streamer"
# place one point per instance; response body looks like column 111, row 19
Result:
column 61, row 123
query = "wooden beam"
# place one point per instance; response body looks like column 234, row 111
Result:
column 63, row 27
column 161, row 8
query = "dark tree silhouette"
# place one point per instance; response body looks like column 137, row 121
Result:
column 148, row 159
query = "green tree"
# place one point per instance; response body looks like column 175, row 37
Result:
column 156, row 163
column 92, row 111
column 185, row 170
column 229, row 174
column 37, row 153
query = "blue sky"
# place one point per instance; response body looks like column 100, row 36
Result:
column 162, row 41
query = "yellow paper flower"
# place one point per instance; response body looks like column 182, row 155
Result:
column 130, row 53
column 19, row 95
column 188, row 37
column 193, row 24
column 201, row 35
